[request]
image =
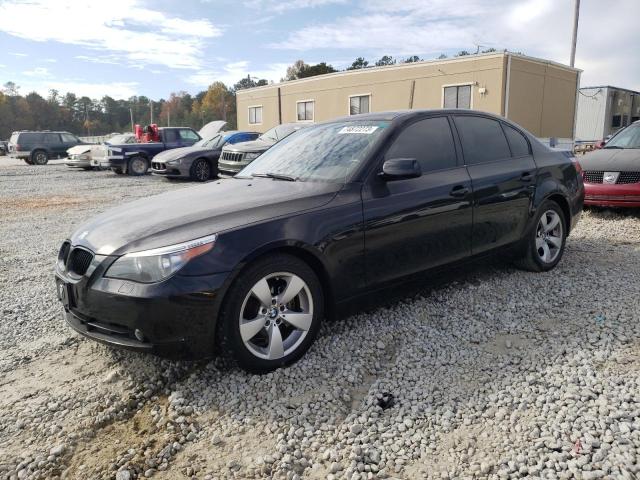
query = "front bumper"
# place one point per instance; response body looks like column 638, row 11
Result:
column 174, row 318
column 170, row 170
column 619, row 195
column 231, row 168
column 76, row 163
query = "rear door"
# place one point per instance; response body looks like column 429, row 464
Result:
column 503, row 173
column 418, row 223
column 55, row 144
column 171, row 138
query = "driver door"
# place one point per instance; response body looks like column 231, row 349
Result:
column 417, row 223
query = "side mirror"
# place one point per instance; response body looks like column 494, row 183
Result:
column 400, row 168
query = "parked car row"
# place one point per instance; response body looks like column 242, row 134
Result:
column 320, row 221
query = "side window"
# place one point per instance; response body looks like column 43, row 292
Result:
column 31, row 138
column 187, row 134
column 519, row 144
column 429, row 141
column 65, row 138
column 53, row 138
column 170, row 136
column 482, row 139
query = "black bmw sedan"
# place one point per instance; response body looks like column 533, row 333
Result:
column 252, row 265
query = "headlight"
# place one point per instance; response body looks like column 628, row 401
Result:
column 150, row 266
column 175, row 162
column 251, row 155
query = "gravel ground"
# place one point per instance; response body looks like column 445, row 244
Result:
column 496, row 373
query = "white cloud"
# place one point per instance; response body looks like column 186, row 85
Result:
column 50, row 60
column 540, row 28
column 117, row 90
column 18, row 54
column 39, row 72
column 119, row 27
column 279, row 6
column 231, row 73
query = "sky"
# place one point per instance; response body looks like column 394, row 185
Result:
column 139, row 47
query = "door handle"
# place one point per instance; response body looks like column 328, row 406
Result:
column 526, row 177
column 459, row 191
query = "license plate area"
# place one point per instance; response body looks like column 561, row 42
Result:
column 65, row 294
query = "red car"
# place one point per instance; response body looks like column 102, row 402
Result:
column 612, row 174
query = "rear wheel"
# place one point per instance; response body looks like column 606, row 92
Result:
column 546, row 242
column 271, row 314
column 201, row 170
column 138, row 166
column 39, row 157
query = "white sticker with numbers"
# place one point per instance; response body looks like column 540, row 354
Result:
column 362, row 129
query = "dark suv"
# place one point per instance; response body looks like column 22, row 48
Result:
column 36, row 148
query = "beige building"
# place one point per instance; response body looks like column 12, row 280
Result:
column 538, row 94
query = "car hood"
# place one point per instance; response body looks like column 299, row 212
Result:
column 252, row 146
column 612, row 160
column 195, row 212
column 175, row 153
column 79, row 150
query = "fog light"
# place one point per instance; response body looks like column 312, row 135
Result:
column 139, row 335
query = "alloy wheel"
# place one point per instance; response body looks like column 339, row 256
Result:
column 276, row 315
column 202, row 171
column 549, row 236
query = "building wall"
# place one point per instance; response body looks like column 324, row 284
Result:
column 542, row 97
column 590, row 120
column 390, row 89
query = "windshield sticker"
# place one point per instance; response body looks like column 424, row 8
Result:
column 363, row 129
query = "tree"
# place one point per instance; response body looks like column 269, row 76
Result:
column 293, row 71
column 385, row 60
column 313, row 70
column 462, row 53
column 358, row 63
column 489, row 50
column 442, row 56
column 10, row 89
column 413, row 59
column 248, row 82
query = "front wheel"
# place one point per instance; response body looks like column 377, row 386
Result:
column 138, row 166
column 271, row 314
column 201, row 170
column 545, row 243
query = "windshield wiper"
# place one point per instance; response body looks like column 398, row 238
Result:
column 277, row 176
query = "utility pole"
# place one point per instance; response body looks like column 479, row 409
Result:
column 574, row 38
column 168, row 115
column 131, row 114
column 151, row 112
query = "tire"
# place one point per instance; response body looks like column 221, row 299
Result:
column 137, row 166
column 201, row 170
column 39, row 157
column 87, row 169
column 117, row 170
column 270, row 341
column 545, row 244
column 27, row 161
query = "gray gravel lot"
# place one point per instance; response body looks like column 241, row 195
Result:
column 497, row 373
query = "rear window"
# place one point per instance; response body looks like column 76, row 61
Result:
column 482, row 140
column 519, row 144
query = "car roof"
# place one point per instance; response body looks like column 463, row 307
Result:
column 393, row 114
column 42, row 131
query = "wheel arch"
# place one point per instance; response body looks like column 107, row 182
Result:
column 564, row 205
column 553, row 191
column 300, row 251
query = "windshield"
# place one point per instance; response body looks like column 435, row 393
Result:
column 269, row 135
column 627, row 138
column 212, row 142
column 324, row 153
